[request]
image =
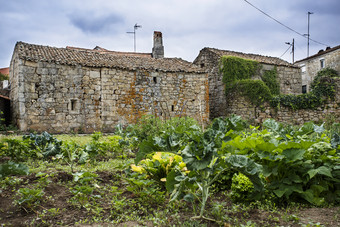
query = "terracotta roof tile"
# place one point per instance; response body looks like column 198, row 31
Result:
column 256, row 57
column 321, row 52
column 4, row 71
column 91, row 58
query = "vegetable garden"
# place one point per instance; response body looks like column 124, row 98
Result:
column 174, row 173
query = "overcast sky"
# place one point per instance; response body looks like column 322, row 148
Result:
column 187, row 25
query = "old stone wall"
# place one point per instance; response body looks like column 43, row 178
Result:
column 61, row 98
column 311, row 66
column 288, row 77
column 239, row 106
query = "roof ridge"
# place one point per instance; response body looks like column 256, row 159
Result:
column 90, row 58
column 279, row 61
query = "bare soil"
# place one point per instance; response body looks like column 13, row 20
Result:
column 57, row 195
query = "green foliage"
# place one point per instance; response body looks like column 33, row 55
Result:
column 45, row 144
column 269, row 77
column 28, row 198
column 241, row 188
column 255, row 91
column 297, row 164
column 235, row 68
column 198, row 150
column 3, row 77
column 237, row 77
column 12, row 168
column 322, row 90
column 159, row 165
column 17, row 150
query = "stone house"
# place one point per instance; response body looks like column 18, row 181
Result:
column 209, row 58
column 74, row 89
column 4, row 98
column 328, row 58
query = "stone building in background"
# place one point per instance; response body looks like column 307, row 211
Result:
column 74, row 89
column 208, row 59
column 328, row 58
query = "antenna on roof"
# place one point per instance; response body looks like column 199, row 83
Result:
column 134, row 34
column 292, row 45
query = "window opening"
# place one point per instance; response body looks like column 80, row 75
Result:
column 172, row 107
column 155, row 80
column 322, row 63
column 304, row 89
column 73, row 105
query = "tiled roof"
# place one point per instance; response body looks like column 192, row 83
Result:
column 105, row 51
column 255, row 57
column 4, row 71
column 90, row 58
column 321, row 52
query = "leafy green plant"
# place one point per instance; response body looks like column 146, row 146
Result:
column 17, row 150
column 45, row 144
column 241, row 188
column 298, row 165
column 12, row 168
column 159, row 165
column 29, row 198
column 83, row 191
column 199, row 153
column 72, row 153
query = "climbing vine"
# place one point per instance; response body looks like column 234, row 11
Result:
column 322, row 90
column 237, row 77
column 269, row 77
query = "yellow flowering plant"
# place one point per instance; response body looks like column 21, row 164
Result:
column 158, row 165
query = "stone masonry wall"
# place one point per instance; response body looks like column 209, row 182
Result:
column 313, row 66
column 239, row 106
column 61, row 98
column 288, row 77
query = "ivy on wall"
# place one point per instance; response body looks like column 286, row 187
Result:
column 237, row 77
column 322, row 90
column 269, row 77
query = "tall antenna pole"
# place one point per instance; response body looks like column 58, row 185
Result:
column 135, row 27
column 309, row 13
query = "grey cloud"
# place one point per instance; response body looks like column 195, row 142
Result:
column 89, row 23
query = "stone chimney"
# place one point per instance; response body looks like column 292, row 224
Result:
column 158, row 48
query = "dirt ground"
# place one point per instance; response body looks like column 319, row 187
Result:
column 57, row 196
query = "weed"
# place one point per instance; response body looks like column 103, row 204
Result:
column 28, row 199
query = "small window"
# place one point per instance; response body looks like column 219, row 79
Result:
column 172, row 108
column 322, row 63
column 73, row 105
column 155, row 80
column 303, row 68
column 202, row 65
column 304, row 89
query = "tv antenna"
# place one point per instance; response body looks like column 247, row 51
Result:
column 135, row 27
column 308, row 35
column 292, row 45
